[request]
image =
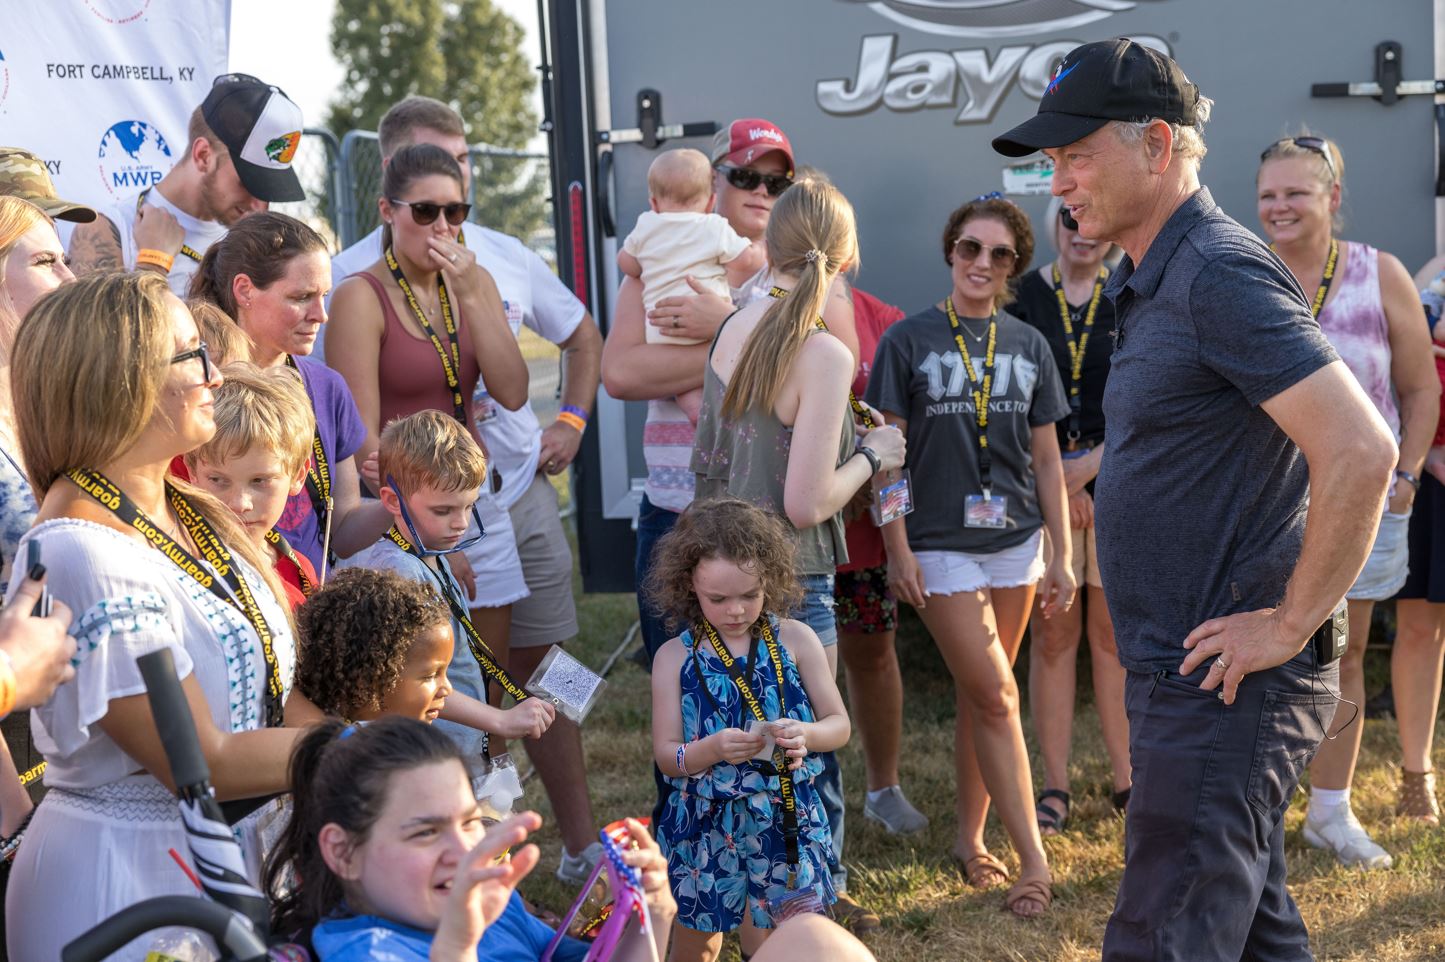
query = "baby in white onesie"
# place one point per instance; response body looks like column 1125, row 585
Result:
column 679, row 238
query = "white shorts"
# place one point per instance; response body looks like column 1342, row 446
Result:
column 494, row 559
column 951, row 572
column 1388, row 565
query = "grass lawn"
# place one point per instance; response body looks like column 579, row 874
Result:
column 930, row 915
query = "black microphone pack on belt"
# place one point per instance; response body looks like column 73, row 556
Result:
column 1332, row 638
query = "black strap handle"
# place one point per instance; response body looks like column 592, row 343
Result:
column 173, row 720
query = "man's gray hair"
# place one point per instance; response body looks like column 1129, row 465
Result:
column 1188, row 138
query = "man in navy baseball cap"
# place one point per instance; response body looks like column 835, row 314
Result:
column 1234, row 428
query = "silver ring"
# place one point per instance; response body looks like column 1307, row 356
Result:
column 453, row 258
column 1221, row 663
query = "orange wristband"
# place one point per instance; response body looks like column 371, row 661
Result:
column 7, row 684
column 572, row 420
column 155, row 258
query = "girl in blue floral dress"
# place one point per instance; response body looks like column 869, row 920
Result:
column 723, row 572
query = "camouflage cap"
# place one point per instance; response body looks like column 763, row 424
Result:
column 23, row 175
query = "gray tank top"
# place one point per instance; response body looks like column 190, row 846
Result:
column 747, row 458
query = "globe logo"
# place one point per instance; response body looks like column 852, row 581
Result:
column 118, row 11
column 996, row 18
column 133, row 156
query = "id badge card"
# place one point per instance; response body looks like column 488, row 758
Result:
column 985, row 511
column 484, row 409
column 765, row 729
column 892, row 497
column 796, row 902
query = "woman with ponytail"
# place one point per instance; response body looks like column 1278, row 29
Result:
column 271, row 274
column 111, row 381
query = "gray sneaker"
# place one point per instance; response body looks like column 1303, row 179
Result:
column 575, row 869
column 894, row 813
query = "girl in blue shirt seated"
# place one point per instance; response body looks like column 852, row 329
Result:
column 387, row 857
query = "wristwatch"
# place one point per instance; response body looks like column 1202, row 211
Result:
column 872, row 457
column 1408, row 478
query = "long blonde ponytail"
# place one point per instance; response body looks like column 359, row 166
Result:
column 812, row 236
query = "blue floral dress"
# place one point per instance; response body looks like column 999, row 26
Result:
column 722, row 830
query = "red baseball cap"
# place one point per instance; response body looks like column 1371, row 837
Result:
column 744, row 141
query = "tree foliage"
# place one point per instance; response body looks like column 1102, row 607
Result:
column 467, row 53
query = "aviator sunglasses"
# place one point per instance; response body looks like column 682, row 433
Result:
column 424, row 212
column 1316, row 144
column 745, row 178
column 417, row 546
column 203, row 352
column 969, row 249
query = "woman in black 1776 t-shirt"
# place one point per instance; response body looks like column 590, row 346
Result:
column 972, row 555
column 1080, row 332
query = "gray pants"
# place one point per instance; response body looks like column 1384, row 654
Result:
column 1204, row 870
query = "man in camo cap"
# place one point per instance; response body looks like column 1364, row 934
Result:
column 23, row 175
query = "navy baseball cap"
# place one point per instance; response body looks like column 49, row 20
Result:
column 1099, row 82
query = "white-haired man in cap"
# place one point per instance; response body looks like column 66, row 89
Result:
column 241, row 141
column 1244, row 472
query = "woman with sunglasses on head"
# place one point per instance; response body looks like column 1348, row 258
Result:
column 111, row 381
column 270, row 273
column 976, row 392
column 1368, row 308
column 418, row 330
column 1064, row 299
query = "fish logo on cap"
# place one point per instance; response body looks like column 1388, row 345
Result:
column 282, row 149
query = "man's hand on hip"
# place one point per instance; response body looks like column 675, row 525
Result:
column 1244, row 642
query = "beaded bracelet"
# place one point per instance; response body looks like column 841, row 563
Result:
column 155, row 258
column 572, row 420
column 7, row 683
column 682, row 760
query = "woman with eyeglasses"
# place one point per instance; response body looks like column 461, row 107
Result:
column 1367, row 305
column 111, row 383
column 270, row 273
column 418, row 330
column 1064, row 300
column 977, row 394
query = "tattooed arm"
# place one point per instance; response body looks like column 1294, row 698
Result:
column 95, row 247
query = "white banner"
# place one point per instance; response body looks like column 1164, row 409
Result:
column 102, row 90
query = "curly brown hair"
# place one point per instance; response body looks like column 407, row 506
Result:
column 735, row 531
column 354, row 633
column 1005, row 212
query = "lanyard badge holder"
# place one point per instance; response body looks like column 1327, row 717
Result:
column 569, row 685
column 986, row 510
column 624, row 901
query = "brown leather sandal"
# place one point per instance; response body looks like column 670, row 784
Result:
column 1416, row 798
column 983, row 871
column 1030, row 889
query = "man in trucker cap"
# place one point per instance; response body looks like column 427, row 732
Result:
column 240, row 145
column 23, row 175
column 1243, row 475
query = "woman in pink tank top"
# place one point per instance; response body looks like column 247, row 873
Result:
column 416, row 329
column 1367, row 306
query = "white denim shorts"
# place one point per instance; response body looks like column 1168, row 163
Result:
column 951, row 572
column 1389, row 562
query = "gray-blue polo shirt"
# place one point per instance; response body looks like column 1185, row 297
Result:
column 1201, row 498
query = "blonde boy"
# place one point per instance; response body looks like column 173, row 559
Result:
column 681, row 247
column 432, row 473
column 257, row 459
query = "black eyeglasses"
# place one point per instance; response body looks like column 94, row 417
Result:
column 969, row 249
column 1317, row 144
column 745, row 178
column 199, row 351
column 425, row 212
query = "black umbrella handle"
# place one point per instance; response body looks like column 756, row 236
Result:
column 237, row 939
column 177, row 728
